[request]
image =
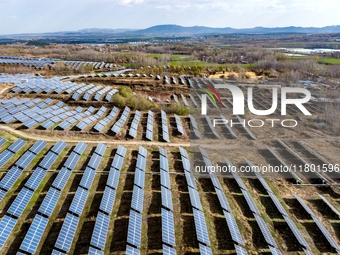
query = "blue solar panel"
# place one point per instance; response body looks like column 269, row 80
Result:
column 36, row 178
column 274, row 251
column 113, row 178
column 205, row 250
column 100, row 150
column 38, row 146
column 2, row 141
column 34, row 234
column 141, row 163
column 87, row 179
column 94, row 161
column 142, row 151
column 5, row 156
column 25, row 159
column 121, row 150
column 164, row 163
column 16, row 146
column 296, row 232
column 134, row 228
column 80, row 148
column 50, row 201
column 55, row 252
column 132, row 251
column 94, row 251
column 137, row 199
column 165, row 179
column 10, row 178
column 6, row 226
column 117, row 162
column 186, row 164
column 265, row 231
column 67, row 232
column 223, row 200
column 168, row 229
column 166, row 198
column 201, row 227
column 190, row 180
column 233, row 228
column 72, row 161
column 240, row 250
column 215, row 181
column 61, row 179
column 195, row 198
column 139, row 178
column 250, row 202
column 79, row 201
column 168, row 250
column 100, row 231
column 108, row 200
column 19, row 204
column 2, row 194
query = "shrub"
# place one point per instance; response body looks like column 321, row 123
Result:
column 118, row 100
column 178, row 109
column 125, row 91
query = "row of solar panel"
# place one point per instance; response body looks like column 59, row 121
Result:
column 134, row 124
column 102, row 123
column 199, row 219
column 123, row 118
column 165, row 130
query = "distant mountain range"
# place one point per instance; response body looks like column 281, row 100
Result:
column 161, row 30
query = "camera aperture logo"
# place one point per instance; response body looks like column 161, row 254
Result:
column 239, row 106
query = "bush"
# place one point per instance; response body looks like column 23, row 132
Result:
column 178, row 109
column 125, row 91
column 119, row 101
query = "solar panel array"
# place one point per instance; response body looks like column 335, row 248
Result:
column 252, row 206
column 100, row 93
column 168, row 230
column 37, row 63
column 110, row 94
column 231, row 222
column 99, row 234
column 184, row 100
column 90, row 92
column 134, row 124
column 119, row 123
column 319, row 224
column 84, row 123
column 7, row 154
column 165, row 129
column 39, row 224
column 199, row 219
column 81, row 90
column 135, row 220
column 68, row 122
column 149, row 126
column 211, row 126
column 105, row 121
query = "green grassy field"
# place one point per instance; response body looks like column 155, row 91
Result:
column 329, row 61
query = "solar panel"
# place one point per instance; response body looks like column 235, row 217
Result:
column 201, row 227
column 25, row 160
column 87, row 179
column 72, row 161
column 186, row 164
column 55, row 252
column 329, row 205
column 106, row 205
column 179, row 125
column 135, row 228
column 223, row 200
column 302, row 203
column 34, row 234
column 215, row 181
column 265, row 231
column 233, row 228
column 296, row 232
column 250, row 202
column 168, row 229
column 137, row 199
column 131, row 250
column 274, row 251
column 100, row 150
column 164, row 163
column 195, row 198
column 38, row 146
column 240, row 250
column 325, row 233
column 100, row 231
column 61, row 179
column 117, row 162
column 19, row 204
column 168, row 250
column 277, row 204
column 50, row 201
column 139, row 178
column 166, row 198
column 79, row 201
column 121, row 150
column 16, row 146
column 2, row 194
column 10, row 178
column 94, row 251
column 141, row 163
column 5, row 156
column 67, row 232
column 190, row 180
column 113, row 178
column 142, row 151
column 80, row 148
column 307, row 252
column 165, row 179
column 205, row 250
column 6, row 226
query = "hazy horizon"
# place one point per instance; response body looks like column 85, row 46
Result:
column 72, row 15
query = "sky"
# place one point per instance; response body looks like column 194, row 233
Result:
column 35, row 16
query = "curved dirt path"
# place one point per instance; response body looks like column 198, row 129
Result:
column 120, row 142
